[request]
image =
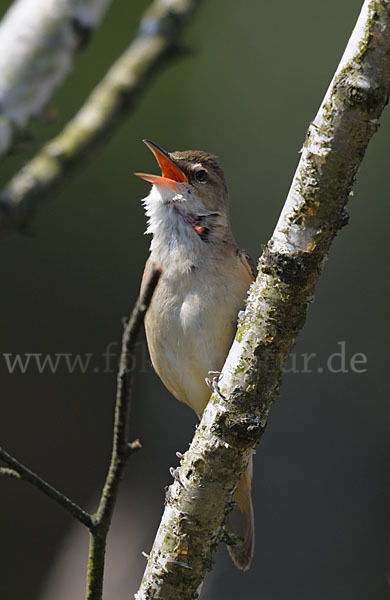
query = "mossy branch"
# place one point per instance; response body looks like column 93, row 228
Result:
column 38, row 39
column 233, row 424
column 110, row 102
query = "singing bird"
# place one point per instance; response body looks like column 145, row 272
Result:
column 191, row 321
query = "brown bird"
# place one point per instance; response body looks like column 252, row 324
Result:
column 191, row 322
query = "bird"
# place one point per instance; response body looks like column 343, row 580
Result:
column 191, row 321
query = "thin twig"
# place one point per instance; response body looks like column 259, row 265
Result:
column 234, row 420
column 121, row 449
column 99, row 523
column 133, row 447
column 19, row 470
column 111, row 101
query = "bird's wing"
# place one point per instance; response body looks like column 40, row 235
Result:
column 247, row 261
column 145, row 273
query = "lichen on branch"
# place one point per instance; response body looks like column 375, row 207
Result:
column 38, row 39
column 232, row 425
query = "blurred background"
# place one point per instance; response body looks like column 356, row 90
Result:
column 254, row 79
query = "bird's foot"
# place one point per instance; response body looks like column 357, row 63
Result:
column 175, row 474
column 213, row 382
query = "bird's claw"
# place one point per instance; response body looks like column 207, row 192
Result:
column 215, row 374
column 213, row 382
column 175, row 475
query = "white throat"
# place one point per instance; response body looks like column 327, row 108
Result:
column 175, row 245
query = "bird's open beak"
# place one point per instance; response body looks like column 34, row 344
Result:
column 171, row 175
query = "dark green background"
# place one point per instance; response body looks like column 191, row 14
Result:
column 321, row 486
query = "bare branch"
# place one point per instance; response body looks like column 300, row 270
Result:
column 233, row 424
column 38, row 39
column 20, row 471
column 111, row 101
column 99, row 523
column 121, row 449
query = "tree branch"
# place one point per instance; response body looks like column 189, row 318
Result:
column 18, row 470
column 232, row 425
column 37, row 41
column 111, row 101
column 99, row 523
column 120, row 446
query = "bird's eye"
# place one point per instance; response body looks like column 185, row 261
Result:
column 201, row 175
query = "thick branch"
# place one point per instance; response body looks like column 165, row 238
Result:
column 288, row 271
column 120, row 446
column 38, row 39
column 111, row 101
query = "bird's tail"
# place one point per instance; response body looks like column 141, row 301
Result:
column 241, row 522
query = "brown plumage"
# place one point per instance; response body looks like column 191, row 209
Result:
column 191, row 322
